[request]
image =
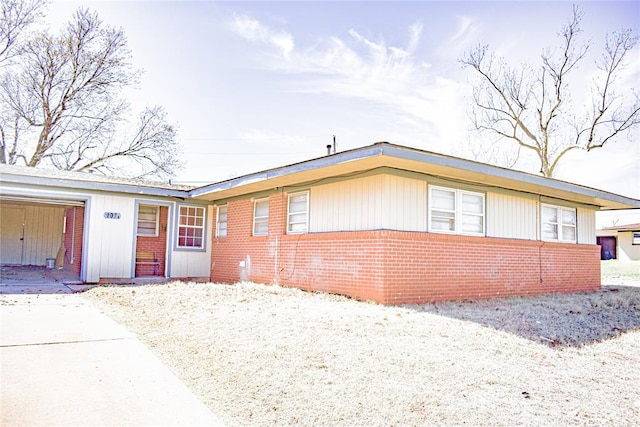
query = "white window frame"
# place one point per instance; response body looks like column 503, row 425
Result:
column 156, row 221
column 290, row 223
column 263, row 219
column 458, row 214
column 635, row 238
column 222, row 232
column 559, row 224
column 202, row 227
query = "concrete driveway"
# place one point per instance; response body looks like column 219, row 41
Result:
column 63, row 362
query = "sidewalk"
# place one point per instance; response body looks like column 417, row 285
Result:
column 64, row 363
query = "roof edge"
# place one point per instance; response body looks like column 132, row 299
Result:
column 423, row 156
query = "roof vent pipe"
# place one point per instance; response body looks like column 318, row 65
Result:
column 334, row 144
column 328, row 149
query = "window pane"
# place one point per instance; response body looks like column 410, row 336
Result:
column 298, row 203
column 222, row 214
column 261, row 227
column 444, row 221
column 298, row 210
column 298, row 227
column 221, row 228
column 569, row 233
column 550, row 231
column 471, row 203
column 472, row 224
column 262, row 208
column 549, row 214
column 191, row 227
column 147, row 220
column 568, row 216
column 298, row 218
column 443, row 199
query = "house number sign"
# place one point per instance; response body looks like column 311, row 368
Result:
column 112, row 215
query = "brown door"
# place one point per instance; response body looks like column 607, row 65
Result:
column 11, row 235
column 607, row 247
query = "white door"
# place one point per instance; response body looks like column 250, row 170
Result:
column 11, row 235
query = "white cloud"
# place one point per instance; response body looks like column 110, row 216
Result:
column 253, row 30
column 461, row 40
column 357, row 67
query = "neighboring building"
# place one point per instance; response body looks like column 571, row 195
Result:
column 383, row 222
column 620, row 242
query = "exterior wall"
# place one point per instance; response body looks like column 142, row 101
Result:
column 42, row 233
column 157, row 245
column 586, row 226
column 194, row 264
column 627, row 251
column 356, row 204
column 109, row 251
column 37, row 231
column 11, row 234
column 512, row 216
column 425, row 267
column 73, row 236
column 397, row 267
column 375, row 202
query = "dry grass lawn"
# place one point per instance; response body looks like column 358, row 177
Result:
column 267, row 355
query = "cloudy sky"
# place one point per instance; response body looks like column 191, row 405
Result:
column 256, row 85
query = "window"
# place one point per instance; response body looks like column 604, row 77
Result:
column 148, row 219
column 298, row 213
column 558, row 224
column 635, row 239
column 191, row 227
column 221, row 223
column 456, row 211
column 261, row 217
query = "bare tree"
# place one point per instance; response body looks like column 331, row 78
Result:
column 62, row 105
column 15, row 17
column 152, row 147
column 533, row 105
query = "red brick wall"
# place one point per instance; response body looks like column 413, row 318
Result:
column 394, row 267
column 156, row 245
column 74, row 230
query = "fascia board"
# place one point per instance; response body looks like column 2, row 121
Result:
column 93, row 186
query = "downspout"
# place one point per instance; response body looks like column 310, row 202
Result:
column 277, row 278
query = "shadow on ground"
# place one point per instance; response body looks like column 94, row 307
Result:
column 555, row 320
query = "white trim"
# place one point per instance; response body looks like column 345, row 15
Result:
column 156, row 232
column 203, row 227
column 306, row 212
column 559, row 224
column 261, row 218
column 457, row 212
column 226, row 222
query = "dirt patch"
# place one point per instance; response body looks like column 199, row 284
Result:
column 259, row 355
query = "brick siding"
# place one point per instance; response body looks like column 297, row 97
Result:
column 74, row 230
column 397, row 267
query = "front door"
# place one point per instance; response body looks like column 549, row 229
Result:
column 11, row 235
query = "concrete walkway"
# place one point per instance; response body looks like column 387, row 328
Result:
column 64, row 363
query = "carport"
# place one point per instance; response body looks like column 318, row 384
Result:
column 41, row 232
